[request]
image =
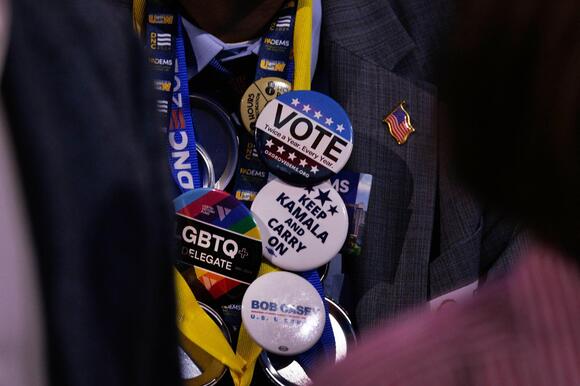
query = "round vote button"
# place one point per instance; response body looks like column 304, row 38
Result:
column 301, row 228
column 257, row 96
column 283, row 313
column 304, row 137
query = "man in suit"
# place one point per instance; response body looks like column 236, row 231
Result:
column 96, row 191
column 425, row 237
column 523, row 329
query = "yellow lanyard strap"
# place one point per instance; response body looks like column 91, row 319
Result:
column 138, row 16
column 198, row 327
column 303, row 45
column 247, row 348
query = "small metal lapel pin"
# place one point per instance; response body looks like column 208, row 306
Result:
column 399, row 123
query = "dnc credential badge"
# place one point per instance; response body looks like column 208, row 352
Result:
column 304, row 137
column 301, row 228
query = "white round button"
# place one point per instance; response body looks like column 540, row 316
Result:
column 283, row 313
column 301, row 228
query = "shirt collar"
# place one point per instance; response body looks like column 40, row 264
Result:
column 205, row 46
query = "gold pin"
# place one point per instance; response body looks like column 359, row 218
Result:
column 399, row 123
column 257, row 96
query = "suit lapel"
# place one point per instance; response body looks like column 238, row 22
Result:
column 362, row 43
column 368, row 29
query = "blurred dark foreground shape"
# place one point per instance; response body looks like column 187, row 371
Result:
column 96, row 188
column 512, row 86
column 512, row 90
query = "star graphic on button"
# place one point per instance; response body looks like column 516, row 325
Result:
column 329, row 121
column 303, row 163
column 271, row 251
column 323, row 197
column 280, row 149
column 306, row 108
column 295, row 102
column 291, row 156
column 309, row 189
column 317, row 115
column 269, row 143
column 314, row 169
column 340, row 128
column 333, row 210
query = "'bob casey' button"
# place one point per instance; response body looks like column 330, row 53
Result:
column 283, row 313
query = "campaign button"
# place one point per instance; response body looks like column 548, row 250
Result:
column 304, row 137
column 283, row 313
column 257, row 96
column 218, row 236
column 301, row 228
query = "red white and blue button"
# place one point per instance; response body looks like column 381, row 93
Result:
column 304, row 137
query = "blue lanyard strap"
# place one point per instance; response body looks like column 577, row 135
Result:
column 275, row 55
column 166, row 54
column 326, row 344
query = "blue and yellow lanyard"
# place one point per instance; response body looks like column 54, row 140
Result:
column 166, row 55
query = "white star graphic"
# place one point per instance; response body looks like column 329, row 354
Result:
column 280, row 150
column 340, row 128
column 269, row 143
column 317, row 115
column 306, row 108
column 295, row 102
column 329, row 121
column 291, row 156
column 303, row 163
column 314, row 169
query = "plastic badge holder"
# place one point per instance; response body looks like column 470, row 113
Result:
column 207, row 172
column 286, row 371
column 197, row 367
column 216, row 133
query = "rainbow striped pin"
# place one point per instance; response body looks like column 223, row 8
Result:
column 219, row 239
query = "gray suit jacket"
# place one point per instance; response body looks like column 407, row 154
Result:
column 424, row 236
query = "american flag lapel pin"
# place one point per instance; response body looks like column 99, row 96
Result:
column 399, row 123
